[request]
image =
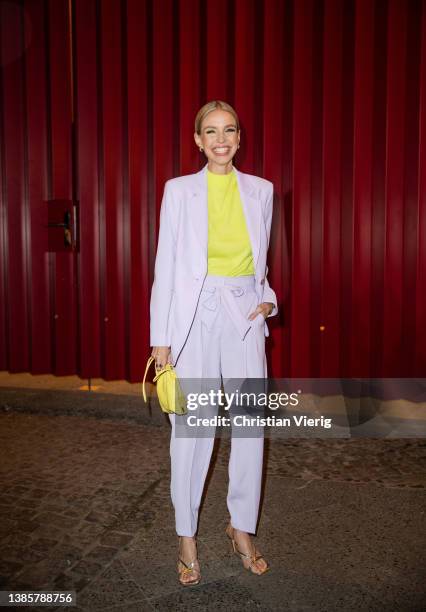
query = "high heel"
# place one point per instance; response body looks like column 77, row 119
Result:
column 248, row 560
column 188, row 568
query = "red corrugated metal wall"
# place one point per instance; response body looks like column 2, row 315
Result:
column 98, row 100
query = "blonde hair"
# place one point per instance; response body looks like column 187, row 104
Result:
column 211, row 106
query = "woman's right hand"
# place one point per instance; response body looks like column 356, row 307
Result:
column 161, row 355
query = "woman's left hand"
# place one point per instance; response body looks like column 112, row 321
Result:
column 265, row 308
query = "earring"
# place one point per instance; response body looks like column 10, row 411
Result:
column 201, row 149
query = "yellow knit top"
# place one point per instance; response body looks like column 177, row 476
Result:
column 229, row 247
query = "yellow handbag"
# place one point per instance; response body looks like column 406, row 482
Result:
column 170, row 394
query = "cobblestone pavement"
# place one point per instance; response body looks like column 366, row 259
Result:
column 85, row 505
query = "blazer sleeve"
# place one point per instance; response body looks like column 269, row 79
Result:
column 268, row 292
column 162, row 287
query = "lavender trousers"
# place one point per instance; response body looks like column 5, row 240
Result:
column 228, row 346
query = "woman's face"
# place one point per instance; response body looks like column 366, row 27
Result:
column 219, row 137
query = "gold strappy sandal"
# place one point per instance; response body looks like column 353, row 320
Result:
column 188, row 568
column 252, row 558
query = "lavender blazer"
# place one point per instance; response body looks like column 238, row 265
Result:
column 181, row 260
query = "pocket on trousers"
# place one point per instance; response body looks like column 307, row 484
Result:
column 260, row 320
column 247, row 303
column 260, row 334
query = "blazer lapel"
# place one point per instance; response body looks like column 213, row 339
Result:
column 252, row 212
column 198, row 208
column 251, row 208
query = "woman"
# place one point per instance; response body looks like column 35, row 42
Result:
column 209, row 302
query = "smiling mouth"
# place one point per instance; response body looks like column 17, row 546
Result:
column 221, row 150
